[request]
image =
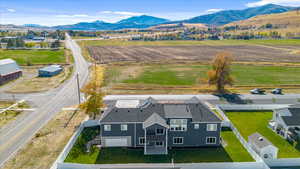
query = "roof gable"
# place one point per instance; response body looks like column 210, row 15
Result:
column 155, row 119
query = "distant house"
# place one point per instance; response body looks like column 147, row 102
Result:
column 38, row 39
column 157, row 126
column 50, row 71
column 263, row 147
column 9, row 70
column 286, row 122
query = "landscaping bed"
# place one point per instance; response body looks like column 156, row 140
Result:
column 233, row 151
column 257, row 121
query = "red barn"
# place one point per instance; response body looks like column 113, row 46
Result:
column 9, row 70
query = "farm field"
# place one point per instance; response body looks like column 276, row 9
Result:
column 110, row 51
column 194, row 75
column 250, row 122
column 288, row 42
column 25, row 57
column 110, row 54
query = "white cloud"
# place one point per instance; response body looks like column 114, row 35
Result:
column 125, row 13
column 209, row 11
column 11, row 10
column 73, row 16
column 295, row 3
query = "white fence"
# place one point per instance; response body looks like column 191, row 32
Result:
column 252, row 106
column 283, row 162
column 229, row 165
column 62, row 156
column 254, row 155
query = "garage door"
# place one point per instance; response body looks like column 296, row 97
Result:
column 116, row 142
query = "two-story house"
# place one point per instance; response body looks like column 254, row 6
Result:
column 158, row 125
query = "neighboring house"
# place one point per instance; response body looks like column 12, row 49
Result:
column 286, row 122
column 9, row 70
column 158, row 125
column 50, row 71
column 262, row 146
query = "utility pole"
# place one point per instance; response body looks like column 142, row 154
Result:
column 78, row 88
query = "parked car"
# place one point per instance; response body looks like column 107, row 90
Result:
column 277, row 91
column 257, row 91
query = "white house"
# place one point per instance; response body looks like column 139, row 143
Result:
column 286, row 121
column 263, row 147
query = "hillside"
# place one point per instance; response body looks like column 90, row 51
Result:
column 280, row 21
column 138, row 22
column 228, row 16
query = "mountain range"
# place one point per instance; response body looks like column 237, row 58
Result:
column 144, row 21
column 228, row 16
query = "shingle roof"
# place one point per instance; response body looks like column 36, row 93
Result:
column 259, row 141
column 8, row 66
column 194, row 109
column 294, row 119
column 155, row 119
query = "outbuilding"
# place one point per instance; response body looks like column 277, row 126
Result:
column 50, row 71
column 9, row 70
column 262, row 146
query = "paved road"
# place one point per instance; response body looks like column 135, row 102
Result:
column 46, row 105
column 232, row 99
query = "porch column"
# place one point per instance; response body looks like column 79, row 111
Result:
column 166, row 140
column 145, row 144
column 286, row 132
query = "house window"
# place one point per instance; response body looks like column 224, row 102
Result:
column 178, row 124
column 196, row 126
column 178, row 140
column 211, row 140
column 159, row 143
column 107, row 127
column 160, row 131
column 142, row 140
column 212, row 127
column 123, row 127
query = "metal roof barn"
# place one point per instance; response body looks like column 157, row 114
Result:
column 8, row 66
column 9, row 70
column 50, row 71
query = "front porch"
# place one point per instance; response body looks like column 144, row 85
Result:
column 156, row 136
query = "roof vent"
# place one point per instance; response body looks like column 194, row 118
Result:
column 261, row 139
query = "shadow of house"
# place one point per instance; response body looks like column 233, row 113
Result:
column 232, row 98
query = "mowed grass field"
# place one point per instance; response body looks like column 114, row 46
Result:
column 193, row 74
column 23, row 57
column 250, row 122
column 233, row 151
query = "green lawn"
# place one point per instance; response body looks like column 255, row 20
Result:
column 251, row 122
column 174, row 43
column 233, row 151
column 23, row 57
column 190, row 75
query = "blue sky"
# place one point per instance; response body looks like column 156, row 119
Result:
column 58, row 12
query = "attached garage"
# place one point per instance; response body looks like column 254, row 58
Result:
column 116, row 141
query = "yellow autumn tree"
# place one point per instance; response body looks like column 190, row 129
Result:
column 220, row 75
column 93, row 93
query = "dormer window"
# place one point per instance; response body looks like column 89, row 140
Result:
column 178, row 124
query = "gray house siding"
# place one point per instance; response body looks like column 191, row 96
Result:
column 195, row 137
column 192, row 137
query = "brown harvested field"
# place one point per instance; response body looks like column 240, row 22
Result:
column 250, row 53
